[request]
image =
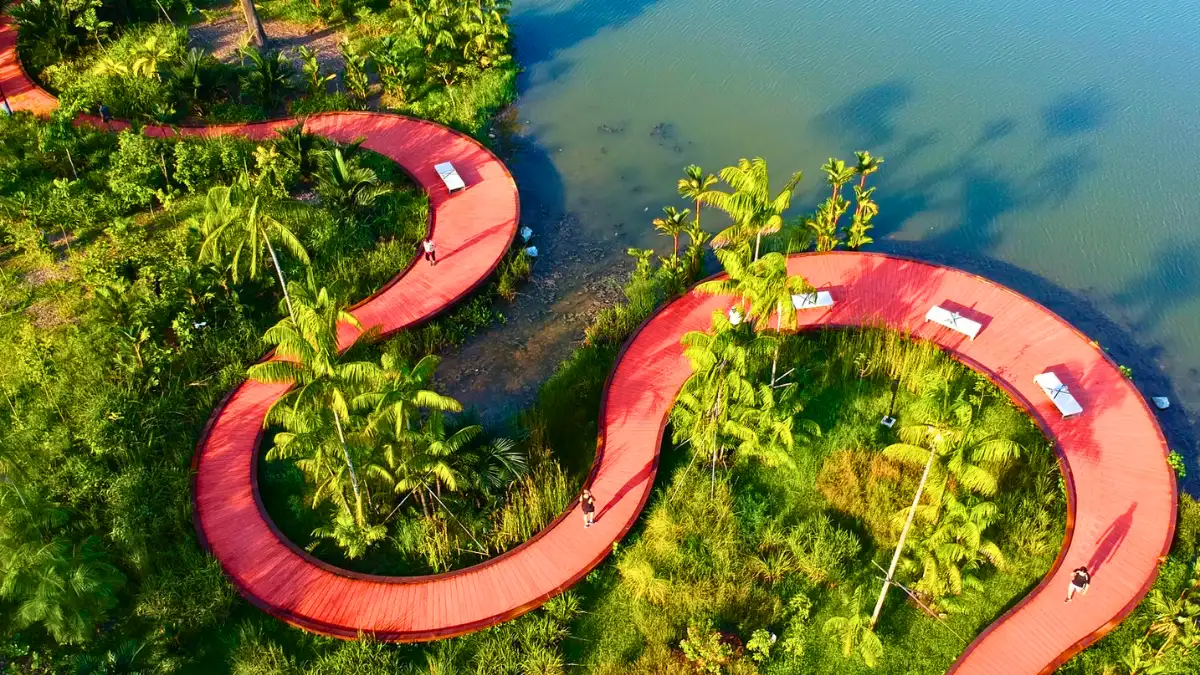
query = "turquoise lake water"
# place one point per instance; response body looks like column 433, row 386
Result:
column 1047, row 144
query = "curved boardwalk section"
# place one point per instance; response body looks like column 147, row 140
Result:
column 1121, row 493
column 472, row 229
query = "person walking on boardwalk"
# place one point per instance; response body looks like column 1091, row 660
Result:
column 430, row 253
column 588, row 502
column 105, row 115
column 1079, row 583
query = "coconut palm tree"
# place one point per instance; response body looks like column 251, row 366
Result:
column 865, row 166
column 695, row 185
column 672, row 224
column 749, row 204
column 307, row 357
column 853, row 630
column 234, row 227
column 764, row 289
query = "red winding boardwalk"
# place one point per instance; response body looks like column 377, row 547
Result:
column 1121, row 493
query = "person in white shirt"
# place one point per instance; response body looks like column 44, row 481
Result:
column 430, row 253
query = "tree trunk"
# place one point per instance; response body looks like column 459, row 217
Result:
column 72, row 163
column 283, row 286
column 778, row 339
column 358, row 505
column 903, row 535
column 757, row 243
column 712, row 478
column 258, row 36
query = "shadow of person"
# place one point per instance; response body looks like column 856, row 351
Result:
column 1111, row 539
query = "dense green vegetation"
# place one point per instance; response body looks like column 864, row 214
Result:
column 445, row 61
column 137, row 277
column 141, row 278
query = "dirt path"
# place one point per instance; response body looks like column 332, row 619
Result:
column 225, row 34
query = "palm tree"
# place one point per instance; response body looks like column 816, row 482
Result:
column 865, row 210
column 952, row 550
column 401, row 393
column 307, row 357
column 866, row 166
column 719, row 387
column 943, row 422
column 129, row 658
column 434, row 462
column 837, row 174
column 497, row 464
column 299, row 146
column 66, row 586
column 1175, row 619
column 768, row 429
column 750, row 206
column 347, row 184
column 695, row 186
column 672, row 224
column 764, row 288
column 854, row 630
column 231, row 229
column 941, row 429
column 830, row 212
column 254, row 26
column 350, row 536
column 697, row 237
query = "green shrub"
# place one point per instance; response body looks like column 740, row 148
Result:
column 137, row 174
column 203, row 165
column 267, row 76
column 515, row 268
column 1187, row 528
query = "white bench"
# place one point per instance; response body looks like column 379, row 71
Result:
column 812, row 300
column 954, row 321
column 1058, row 393
column 450, row 176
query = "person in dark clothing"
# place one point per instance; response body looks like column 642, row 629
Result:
column 430, row 253
column 588, row 502
column 105, row 114
column 1080, row 579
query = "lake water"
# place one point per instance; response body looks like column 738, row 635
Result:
column 1049, row 145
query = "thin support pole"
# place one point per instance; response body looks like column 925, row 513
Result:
column 903, row 535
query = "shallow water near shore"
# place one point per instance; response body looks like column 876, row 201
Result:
column 1047, row 145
